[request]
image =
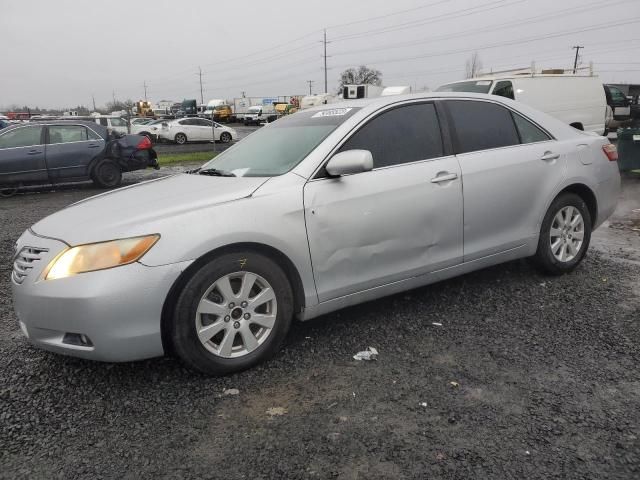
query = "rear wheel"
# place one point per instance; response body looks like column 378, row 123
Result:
column 565, row 235
column 180, row 138
column 9, row 191
column 107, row 174
column 233, row 313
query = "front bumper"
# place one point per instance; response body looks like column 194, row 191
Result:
column 118, row 310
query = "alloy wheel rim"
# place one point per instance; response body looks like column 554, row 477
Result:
column 567, row 234
column 236, row 314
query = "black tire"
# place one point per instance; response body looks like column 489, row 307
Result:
column 544, row 257
column 183, row 333
column 180, row 138
column 6, row 192
column 107, row 174
column 225, row 137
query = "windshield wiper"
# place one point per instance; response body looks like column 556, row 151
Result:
column 214, row 172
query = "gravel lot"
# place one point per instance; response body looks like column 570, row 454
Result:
column 527, row 377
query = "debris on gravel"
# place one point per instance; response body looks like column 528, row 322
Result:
column 368, row 354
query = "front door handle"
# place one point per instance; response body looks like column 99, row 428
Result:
column 550, row 156
column 445, row 177
column 93, row 145
column 34, row 152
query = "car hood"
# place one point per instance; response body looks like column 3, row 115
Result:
column 142, row 209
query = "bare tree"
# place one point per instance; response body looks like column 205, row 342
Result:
column 362, row 75
column 473, row 65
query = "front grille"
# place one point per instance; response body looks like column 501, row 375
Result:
column 24, row 262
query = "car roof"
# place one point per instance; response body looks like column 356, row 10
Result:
column 517, row 76
column 378, row 102
column 99, row 129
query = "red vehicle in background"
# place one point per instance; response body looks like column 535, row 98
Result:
column 18, row 115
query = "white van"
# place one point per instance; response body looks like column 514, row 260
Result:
column 259, row 114
column 112, row 122
column 576, row 99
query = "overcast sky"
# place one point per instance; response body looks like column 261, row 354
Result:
column 58, row 53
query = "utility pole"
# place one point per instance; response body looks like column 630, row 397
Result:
column 145, row 90
column 114, row 97
column 93, row 97
column 575, row 62
column 201, row 95
column 325, row 60
column 310, row 82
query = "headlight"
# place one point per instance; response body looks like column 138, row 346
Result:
column 99, row 256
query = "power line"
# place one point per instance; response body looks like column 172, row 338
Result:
column 503, row 44
column 429, row 5
column 445, row 16
column 537, row 18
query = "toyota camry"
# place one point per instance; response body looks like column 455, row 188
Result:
column 320, row 210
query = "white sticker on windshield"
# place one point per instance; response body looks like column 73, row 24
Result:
column 484, row 82
column 334, row 112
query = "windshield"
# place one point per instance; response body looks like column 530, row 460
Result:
column 279, row 147
column 475, row 86
column 255, row 109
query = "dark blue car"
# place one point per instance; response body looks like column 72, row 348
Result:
column 65, row 151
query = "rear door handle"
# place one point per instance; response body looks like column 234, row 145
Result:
column 93, row 145
column 446, row 177
column 34, row 152
column 550, row 156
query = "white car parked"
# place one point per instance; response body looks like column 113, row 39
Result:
column 140, row 121
column 186, row 130
column 149, row 129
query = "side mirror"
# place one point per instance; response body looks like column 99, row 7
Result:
column 349, row 162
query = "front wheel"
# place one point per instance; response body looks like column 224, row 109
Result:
column 233, row 313
column 565, row 235
column 107, row 174
column 225, row 137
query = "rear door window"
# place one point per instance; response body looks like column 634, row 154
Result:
column 481, row 125
column 104, row 122
column 401, row 135
column 529, row 133
column 21, row 137
column 93, row 135
column 504, row 89
column 67, row 134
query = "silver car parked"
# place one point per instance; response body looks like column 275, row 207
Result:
column 322, row 209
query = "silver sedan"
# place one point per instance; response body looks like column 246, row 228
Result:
column 317, row 211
